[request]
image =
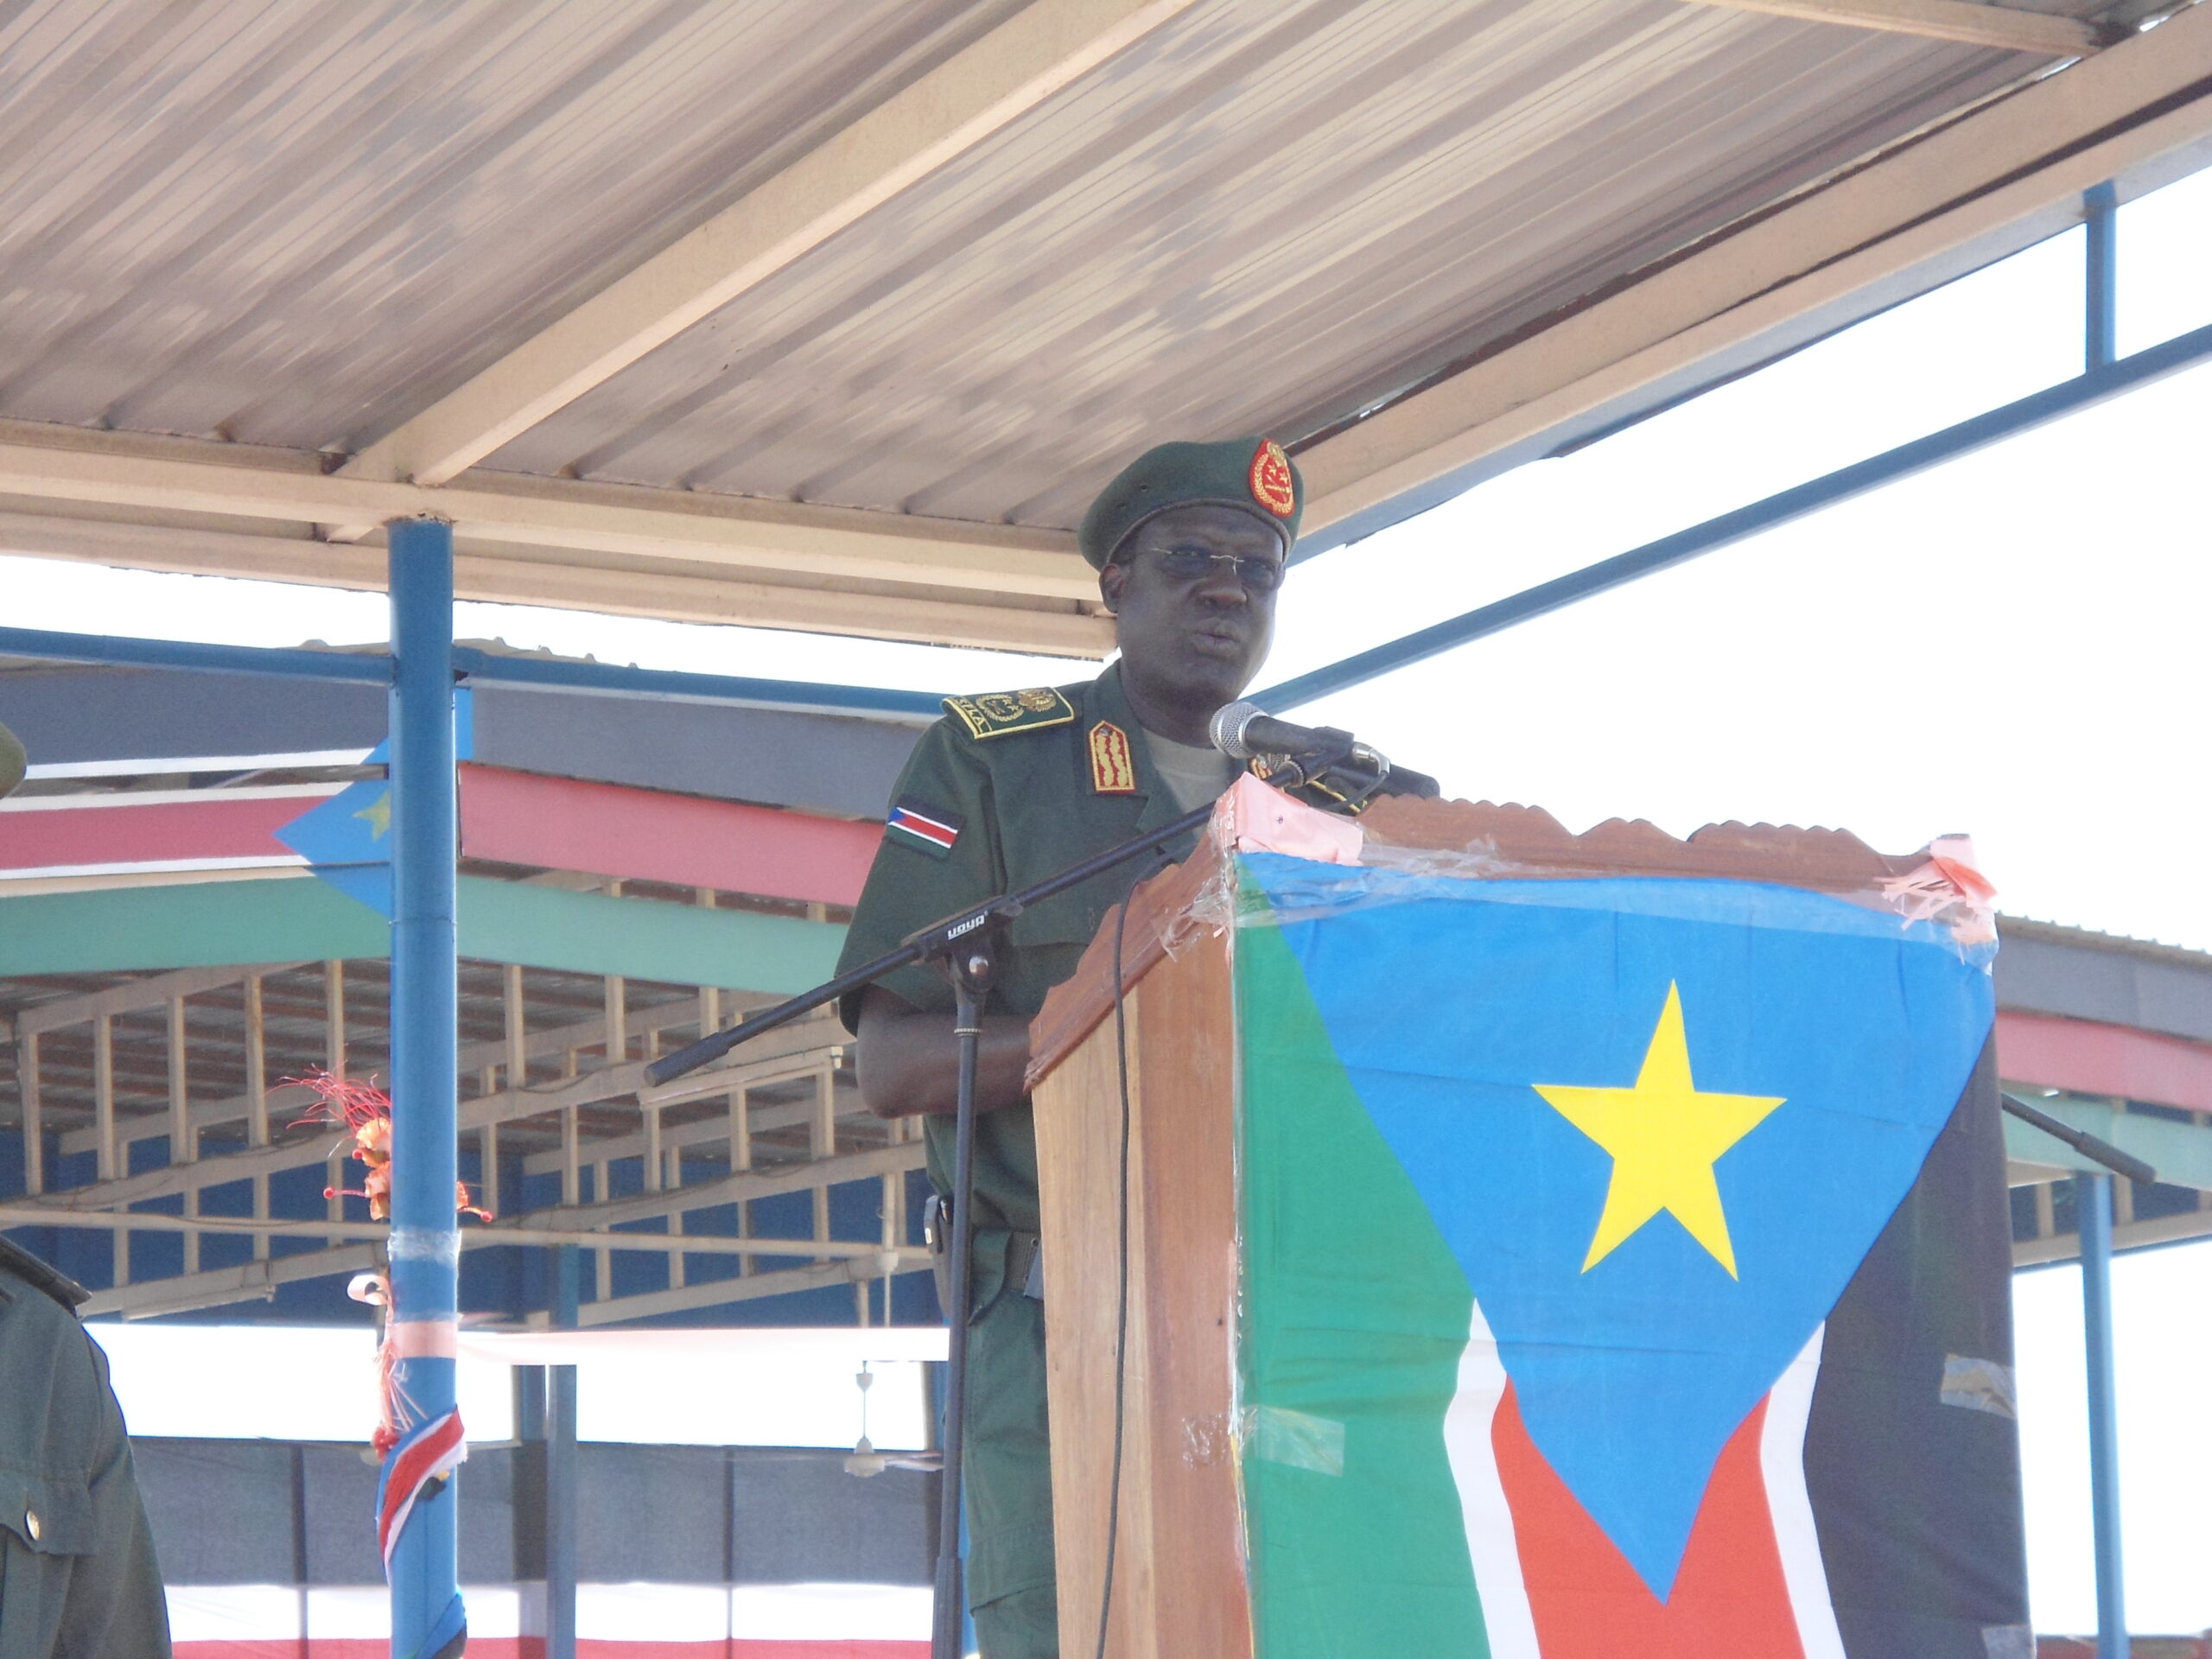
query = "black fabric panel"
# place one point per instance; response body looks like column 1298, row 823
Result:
column 797, row 1516
column 650, row 1513
column 121, row 714
column 1918, row 1503
column 488, row 1516
column 340, row 1512
column 221, row 1510
column 827, row 763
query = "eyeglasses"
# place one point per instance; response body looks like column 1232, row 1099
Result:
column 1260, row 576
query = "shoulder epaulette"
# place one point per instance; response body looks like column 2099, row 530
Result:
column 995, row 714
column 15, row 1258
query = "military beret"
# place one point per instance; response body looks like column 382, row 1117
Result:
column 1253, row 473
column 12, row 760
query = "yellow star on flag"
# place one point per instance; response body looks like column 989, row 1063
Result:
column 377, row 815
column 1664, row 1137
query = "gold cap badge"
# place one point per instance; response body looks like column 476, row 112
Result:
column 1271, row 481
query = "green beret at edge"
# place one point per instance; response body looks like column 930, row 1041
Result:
column 1252, row 474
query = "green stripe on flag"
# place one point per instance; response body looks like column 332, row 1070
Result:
column 1355, row 1318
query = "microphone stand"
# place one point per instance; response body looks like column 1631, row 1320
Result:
column 965, row 945
column 2124, row 1164
column 936, row 943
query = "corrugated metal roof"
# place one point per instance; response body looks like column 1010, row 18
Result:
column 1264, row 215
column 295, row 225
column 298, row 225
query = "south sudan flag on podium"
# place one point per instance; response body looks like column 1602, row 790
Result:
column 1627, row 1271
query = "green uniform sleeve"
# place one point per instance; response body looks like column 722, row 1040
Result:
column 81, row 1579
column 117, row 1607
column 915, row 879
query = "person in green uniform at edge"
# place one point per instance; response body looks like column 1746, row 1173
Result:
column 1190, row 542
column 77, row 1578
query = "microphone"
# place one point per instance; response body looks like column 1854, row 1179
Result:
column 1241, row 730
column 1244, row 731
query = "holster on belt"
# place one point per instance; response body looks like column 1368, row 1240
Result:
column 1001, row 1256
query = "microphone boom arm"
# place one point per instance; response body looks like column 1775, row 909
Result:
column 930, row 944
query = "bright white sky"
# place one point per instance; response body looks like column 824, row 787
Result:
column 2013, row 647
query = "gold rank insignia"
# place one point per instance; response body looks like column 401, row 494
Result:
column 993, row 714
column 1113, row 770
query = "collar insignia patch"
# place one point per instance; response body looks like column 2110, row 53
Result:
column 914, row 822
column 993, row 714
column 1113, row 769
column 1271, row 481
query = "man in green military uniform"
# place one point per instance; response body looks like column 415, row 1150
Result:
column 77, row 1578
column 1190, row 542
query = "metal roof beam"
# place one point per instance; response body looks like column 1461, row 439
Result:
column 2037, row 409
column 634, row 523
column 717, row 1292
column 2007, row 27
column 869, row 1252
column 201, row 508
column 133, row 996
column 474, row 666
column 944, row 115
column 1929, row 211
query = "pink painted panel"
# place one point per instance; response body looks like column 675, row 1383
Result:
column 561, row 823
column 222, row 825
column 2084, row 1058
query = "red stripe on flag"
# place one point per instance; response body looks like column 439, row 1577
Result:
column 1729, row 1596
column 928, row 828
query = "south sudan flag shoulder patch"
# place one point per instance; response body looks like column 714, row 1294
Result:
column 915, row 822
column 995, row 714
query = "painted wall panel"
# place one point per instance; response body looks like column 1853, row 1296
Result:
column 216, row 923
column 561, row 823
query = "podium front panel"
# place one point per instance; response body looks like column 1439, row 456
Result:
column 1552, row 1269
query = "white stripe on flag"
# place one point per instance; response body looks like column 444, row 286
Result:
column 849, row 1612
column 652, row 1612
column 234, row 1612
column 1782, row 1463
column 663, row 1615
column 1492, row 1546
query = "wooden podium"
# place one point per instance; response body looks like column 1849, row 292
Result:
column 1145, row 1251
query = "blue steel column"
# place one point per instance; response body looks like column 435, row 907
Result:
column 425, row 1155
column 561, row 1493
column 2093, row 1196
column 2093, row 1193
column 2100, row 289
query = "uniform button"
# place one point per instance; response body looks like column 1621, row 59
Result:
column 31, row 1524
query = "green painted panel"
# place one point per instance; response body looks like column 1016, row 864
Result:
column 2181, row 1153
column 197, row 925
column 216, row 924
column 592, row 933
